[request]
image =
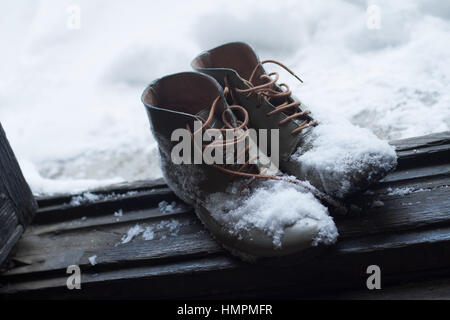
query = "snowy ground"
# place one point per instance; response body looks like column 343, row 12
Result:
column 70, row 99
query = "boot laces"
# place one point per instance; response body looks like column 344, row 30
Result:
column 248, row 169
column 267, row 90
column 239, row 133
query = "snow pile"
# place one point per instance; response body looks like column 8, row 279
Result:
column 89, row 197
column 148, row 234
column 86, row 197
column 132, row 232
column 93, row 260
column 272, row 207
column 399, row 191
column 118, row 213
column 79, row 132
column 172, row 226
column 172, row 207
column 339, row 156
column 43, row 183
column 166, row 227
column 404, row 191
column 166, row 207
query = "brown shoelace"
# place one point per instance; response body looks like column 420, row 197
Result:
column 267, row 90
column 229, row 126
column 245, row 170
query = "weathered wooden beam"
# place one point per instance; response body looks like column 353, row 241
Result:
column 403, row 226
column 17, row 204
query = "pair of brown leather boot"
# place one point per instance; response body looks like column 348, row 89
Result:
column 257, row 166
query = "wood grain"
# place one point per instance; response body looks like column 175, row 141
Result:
column 408, row 236
column 17, row 204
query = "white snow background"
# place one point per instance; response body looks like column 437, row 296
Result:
column 70, row 99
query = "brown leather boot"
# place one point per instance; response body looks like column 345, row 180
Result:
column 332, row 154
column 250, row 213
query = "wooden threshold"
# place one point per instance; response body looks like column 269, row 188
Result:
column 403, row 227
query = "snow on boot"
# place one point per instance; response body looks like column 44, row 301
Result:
column 251, row 214
column 333, row 155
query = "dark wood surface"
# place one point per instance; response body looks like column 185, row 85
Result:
column 17, row 205
column 408, row 236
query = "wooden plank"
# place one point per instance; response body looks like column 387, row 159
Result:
column 8, row 219
column 119, row 189
column 108, row 232
column 17, row 204
column 423, row 150
column 65, row 210
column 434, row 139
column 202, row 276
column 178, row 247
column 408, row 236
